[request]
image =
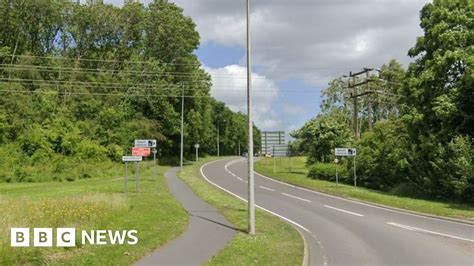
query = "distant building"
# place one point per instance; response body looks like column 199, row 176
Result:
column 274, row 144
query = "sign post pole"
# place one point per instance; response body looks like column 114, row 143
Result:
column 289, row 164
column 127, row 160
column 126, row 177
column 136, row 177
column 154, row 163
column 351, row 152
column 274, row 166
column 337, row 175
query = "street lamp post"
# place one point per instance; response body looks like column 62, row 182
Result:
column 251, row 195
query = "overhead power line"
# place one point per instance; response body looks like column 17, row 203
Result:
column 144, row 62
column 106, row 94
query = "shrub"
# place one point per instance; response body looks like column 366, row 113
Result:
column 327, row 171
column 115, row 152
column 88, row 149
column 382, row 154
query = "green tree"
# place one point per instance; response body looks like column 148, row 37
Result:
column 438, row 101
column 383, row 153
column 321, row 135
column 440, row 81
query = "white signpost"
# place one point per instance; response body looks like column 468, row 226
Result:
column 148, row 143
column 127, row 160
column 349, row 152
column 145, row 143
column 346, row 152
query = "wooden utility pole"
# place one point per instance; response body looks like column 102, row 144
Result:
column 356, row 110
column 355, row 97
column 369, row 103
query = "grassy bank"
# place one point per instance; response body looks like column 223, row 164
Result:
column 91, row 204
column 275, row 243
column 298, row 176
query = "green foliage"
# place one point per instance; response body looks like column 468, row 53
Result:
column 88, row 149
column 422, row 143
column 440, row 81
column 439, row 101
column 82, row 81
column 321, row 135
column 327, row 171
column 383, row 155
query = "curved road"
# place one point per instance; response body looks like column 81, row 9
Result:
column 340, row 231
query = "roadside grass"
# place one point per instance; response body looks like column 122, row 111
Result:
column 275, row 242
column 91, row 204
column 298, row 176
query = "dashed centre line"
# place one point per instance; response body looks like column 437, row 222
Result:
column 266, row 188
column 341, row 210
column 295, row 197
column 414, row 229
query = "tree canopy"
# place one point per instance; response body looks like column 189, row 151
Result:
column 422, row 140
column 82, row 81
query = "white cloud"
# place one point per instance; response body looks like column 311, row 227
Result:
column 230, row 87
column 293, row 109
column 312, row 39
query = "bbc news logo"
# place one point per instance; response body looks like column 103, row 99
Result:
column 66, row 237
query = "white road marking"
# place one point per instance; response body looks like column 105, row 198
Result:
column 358, row 202
column 415, row 229
column 266, row 188
column 288, row 195
column 240, row 179
column 341, row 210
column 273, row 213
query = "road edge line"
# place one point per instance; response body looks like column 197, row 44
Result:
column 306, row 250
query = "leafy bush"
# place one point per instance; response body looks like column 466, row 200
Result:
column 115, row 152
column 88, row 149
column 327, row 171
column 383, row 156
column 446, row 170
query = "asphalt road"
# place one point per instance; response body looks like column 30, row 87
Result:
column 341, row 232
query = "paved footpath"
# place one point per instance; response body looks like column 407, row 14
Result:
column 207, row 232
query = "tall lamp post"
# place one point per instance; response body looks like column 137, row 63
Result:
column 251, row 192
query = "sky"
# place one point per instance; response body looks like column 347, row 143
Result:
column 298, row 46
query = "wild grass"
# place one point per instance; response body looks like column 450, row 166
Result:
column 91, row 204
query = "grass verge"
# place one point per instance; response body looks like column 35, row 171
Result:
column 91, row 204
column 298, row 176
column 275, row 243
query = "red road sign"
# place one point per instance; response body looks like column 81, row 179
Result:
column 145, row 152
